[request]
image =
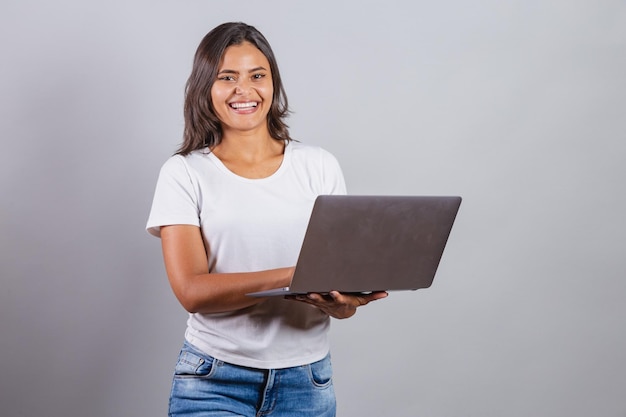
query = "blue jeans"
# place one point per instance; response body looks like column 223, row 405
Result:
column 207, row 387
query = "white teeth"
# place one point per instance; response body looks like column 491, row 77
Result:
column 242, row 105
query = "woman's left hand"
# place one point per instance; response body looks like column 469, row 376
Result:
column 339, row 305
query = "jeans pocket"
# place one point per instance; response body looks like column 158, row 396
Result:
column 321, row 373
column 193, row 363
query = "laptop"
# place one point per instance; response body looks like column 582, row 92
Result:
column 361, row 244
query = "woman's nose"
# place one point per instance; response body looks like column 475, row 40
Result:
column 242, row 88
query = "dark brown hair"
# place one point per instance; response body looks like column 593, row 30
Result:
column 202, row 126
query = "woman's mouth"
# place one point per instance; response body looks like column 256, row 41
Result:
column 242, row 106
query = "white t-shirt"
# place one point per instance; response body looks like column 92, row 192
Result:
column 251, row 225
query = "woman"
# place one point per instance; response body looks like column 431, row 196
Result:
column 231, row 208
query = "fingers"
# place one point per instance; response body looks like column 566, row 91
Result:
column 345, row 299
column 376, row 295
column 341, row 298
column 357, row 300
column 339, row 305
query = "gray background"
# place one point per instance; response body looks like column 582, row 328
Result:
column 518, row 106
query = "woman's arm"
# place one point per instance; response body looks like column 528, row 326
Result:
column 200, row 292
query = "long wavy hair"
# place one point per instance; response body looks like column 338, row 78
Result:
column 202, row 126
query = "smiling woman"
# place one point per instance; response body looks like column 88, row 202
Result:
column 231, row 208
column 242, row 94
column 212, row 65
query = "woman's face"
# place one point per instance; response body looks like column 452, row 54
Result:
column 242, row 94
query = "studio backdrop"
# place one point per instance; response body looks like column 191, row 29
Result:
column 516, row 106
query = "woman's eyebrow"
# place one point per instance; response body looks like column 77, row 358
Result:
column 230, row 71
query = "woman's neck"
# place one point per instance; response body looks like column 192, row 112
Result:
column 250, row 156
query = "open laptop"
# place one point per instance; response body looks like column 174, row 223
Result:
column 360, row 244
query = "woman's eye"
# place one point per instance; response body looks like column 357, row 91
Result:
column 227, row 78
column 258, row 76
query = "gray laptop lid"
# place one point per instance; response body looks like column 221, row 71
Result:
column 372, row 243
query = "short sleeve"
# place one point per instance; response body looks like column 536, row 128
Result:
column 334, row 182
column 175, row 198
